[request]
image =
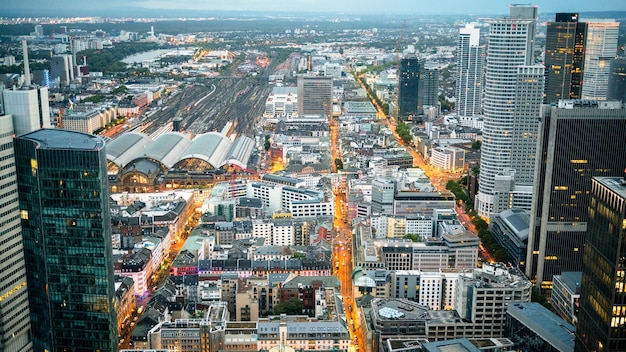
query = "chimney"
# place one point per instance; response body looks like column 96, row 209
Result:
column 26, row 66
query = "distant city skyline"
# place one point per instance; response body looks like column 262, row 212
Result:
column 58, row 8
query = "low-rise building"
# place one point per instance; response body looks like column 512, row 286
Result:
column 533, row 328
column 565, row 295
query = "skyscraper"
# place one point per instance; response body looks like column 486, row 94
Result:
column 315, row 95
column 602, row 314
column 600, row 48
column 15, row 323
column 510, row 46
column 470, row 62
column 62, row 185
column 28, row 104
column 410, row 103
column 527, row 111
column 565, row 48
column 577, row 141
column 61, row 66
column 617, row 80
column 430, row 76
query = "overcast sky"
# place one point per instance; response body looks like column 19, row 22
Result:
column 328, row 6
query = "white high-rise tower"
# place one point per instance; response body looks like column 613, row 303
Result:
column 510, row 47
column 28, row 104
column 470, row 63
column 15, row 321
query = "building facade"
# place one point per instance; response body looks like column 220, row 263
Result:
column 315, row 95
column 409, row 99
column 14, row 310
column 565, row 48
column 558, row 218
column 528, row 100
column 602, row 315
column 470, row 62
column 617, row 80
column 509, row 47
column 64, row 207
column 600, row 48
column 430, row 76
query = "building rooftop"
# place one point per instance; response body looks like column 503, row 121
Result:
column 517, row 220
column 455, row 345
column 545, row 324
column 54, row 138
column 572, row 280
column 405, row 310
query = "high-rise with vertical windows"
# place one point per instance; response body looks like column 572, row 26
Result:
column 577, row 141
column 600, row 48
column 602, row 313
column 64, row 208
column 509, row 47
column 564, row 57
column 470, row 62
column 315, row 95
column 14, row 312
column 527, row 111
column 430, row 77
column 410, row 103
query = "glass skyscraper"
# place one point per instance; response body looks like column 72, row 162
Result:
column 600, row 48
column 602, row 314
column 410, row 103
column 578, row 140
column 62, row 184
column 565, row 49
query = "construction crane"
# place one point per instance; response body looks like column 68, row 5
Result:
column 398, row 51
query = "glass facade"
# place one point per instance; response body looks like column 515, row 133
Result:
column 602, row 315
column 62, row 183
column 409, row 102
column 565, row 48
column 576, row 143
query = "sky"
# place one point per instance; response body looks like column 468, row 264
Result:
column 92, row 7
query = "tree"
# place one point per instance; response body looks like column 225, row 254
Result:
column 476, row 145
column 339, row 164
column 412, row 236
column 292, row 306
column 267, row 142
column 385, row 108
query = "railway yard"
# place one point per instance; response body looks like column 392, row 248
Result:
column 209, row 104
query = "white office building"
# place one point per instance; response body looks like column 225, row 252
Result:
column 470, row 64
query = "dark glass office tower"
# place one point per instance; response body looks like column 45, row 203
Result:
column 430, row 77
column 602, row 314
column 617, row 80
column 565, row 48
column 409, row 99
column 62, row 186
column 577, row 140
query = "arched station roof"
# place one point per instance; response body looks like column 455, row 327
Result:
column 211, row 147
column 240, row 152
column 125, row 149
column 167, row 148
column 171, row 148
